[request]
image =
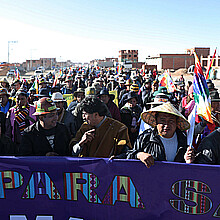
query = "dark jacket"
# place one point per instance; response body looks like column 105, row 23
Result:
column 7, row 146
column 35, row 143
column 127, row 115
column 114, row 110
column 149, row 142
column 209, row 150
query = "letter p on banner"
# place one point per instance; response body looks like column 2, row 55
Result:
column 9, row 180
column 182, row 190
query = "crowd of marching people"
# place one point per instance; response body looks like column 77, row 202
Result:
column 128, row 115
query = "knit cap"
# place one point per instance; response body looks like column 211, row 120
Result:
column 134, row 88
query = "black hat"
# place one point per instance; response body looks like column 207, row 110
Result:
column 214, row 96
column 105, row 91
column 131, row 95
column 211, row 86
column 44, row 92
column 21, row 92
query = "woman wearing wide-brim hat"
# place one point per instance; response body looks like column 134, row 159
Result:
column 167, row 140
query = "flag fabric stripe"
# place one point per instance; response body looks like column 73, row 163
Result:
column 201, row 92
column 208, row 71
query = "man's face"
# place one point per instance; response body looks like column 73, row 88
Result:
column 132, row 102
column 49, row 120
column 3, row 100
column 215, row 106
column 80, row 97
column 17, row 86
column 148, row 85
column 59, row 105
column 166, row 125
column 21, row 100
column 3, row 84
column 105, row 98
column 91, row 119
column 155, row 87
column 42, row 85
column 69, row 84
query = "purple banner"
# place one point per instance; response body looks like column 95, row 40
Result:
column 64, row 188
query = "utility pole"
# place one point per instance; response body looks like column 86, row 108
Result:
column 10, row 42
column 31, row 58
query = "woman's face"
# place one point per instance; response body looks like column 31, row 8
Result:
column 132, row 102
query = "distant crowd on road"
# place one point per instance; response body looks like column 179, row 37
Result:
column 104, row 113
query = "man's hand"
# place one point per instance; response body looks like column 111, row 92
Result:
column 133, row 130
column 52, row 154
column 189, row 155
column 87, row 137
column 146, row 158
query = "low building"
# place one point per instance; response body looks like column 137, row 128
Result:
column 177, row 61
column 128, row 55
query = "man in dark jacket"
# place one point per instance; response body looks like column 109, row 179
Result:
column 46, row 137
column 209, row 150
column 166, row 142
column 64, row 116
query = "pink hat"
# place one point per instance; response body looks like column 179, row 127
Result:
column 190, row 90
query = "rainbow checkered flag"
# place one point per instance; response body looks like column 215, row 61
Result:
column 208, row 71
column 201, row 92
column 166, row 81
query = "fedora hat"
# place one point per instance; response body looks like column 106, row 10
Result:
column 159, row 99
column 211, row 86
column 45, row 106
column 105, row 91
column 131, row 95
column 79, row 90
column 214, row 96
column 161, row 89
column 149, row 116
column 57, row 97
column 44, row 92
column 4, row 91
column 21, row 91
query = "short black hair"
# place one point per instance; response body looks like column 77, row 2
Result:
column 91, row 104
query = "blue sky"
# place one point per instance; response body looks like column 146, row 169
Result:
column 82, row 30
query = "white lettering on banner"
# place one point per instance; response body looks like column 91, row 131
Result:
column 23, row 217
column 18, row 217
column 71, row 218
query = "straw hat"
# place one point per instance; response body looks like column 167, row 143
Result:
column 149, row 116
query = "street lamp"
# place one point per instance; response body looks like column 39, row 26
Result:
column 10, row 42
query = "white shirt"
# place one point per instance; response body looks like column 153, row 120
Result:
column 170, row 145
